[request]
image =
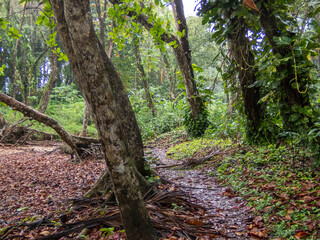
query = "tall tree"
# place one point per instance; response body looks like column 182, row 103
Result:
column 111, row 109
column 240, row 50
column 144, row 77
column 197, row 121
column 15, row 76
column 52, row 80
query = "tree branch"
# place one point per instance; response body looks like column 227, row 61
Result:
column 27, row 111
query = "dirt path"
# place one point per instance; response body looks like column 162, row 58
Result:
column 228, row 212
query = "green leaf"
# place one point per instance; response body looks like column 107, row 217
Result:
column 22, row 208
column 283, row 40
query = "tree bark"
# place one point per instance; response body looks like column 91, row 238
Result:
column 117, row 127
column 101, row 17
column 144, row 79
column 2, row 121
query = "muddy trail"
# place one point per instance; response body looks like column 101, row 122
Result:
column 226, row 211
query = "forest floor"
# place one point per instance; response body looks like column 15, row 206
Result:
column 41, row 195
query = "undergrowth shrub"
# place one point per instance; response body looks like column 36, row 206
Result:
column 223, row 123
column 195, row 127
column 168, row 117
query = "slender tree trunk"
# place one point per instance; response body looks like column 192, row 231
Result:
column 144, row 79
column 86, row 119
column 15, row 71
column 171, row 76
column 111, row 109
column 51, row 83
column 102, row 24
column 2, row 121
column 183, row 55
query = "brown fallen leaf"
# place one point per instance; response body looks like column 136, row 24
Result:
column 301, row 235
column 45, row 233
column 195, row 221
column 261, row 233
column 288, row 217
column 239, row 233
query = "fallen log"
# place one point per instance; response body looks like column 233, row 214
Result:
column 72, row 140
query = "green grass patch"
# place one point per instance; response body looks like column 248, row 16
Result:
column 189, row 148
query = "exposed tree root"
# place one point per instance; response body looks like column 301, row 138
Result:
column 171, row 213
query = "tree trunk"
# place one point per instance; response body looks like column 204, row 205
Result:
column 108, row 101
column 240, row 50
column 289, row 96
column 144, row 79
column 15, row 71
column 86, row 119
column 101, row 17
column 171, row 76
column 52, row 81
column 2, row 121
column 182, row 53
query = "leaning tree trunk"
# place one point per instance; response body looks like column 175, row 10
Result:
column 183, row 55
column 240, row 50
column 71, row 140
column 111, row 109
column 289, row 96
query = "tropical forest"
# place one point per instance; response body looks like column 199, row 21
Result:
column 159, row 119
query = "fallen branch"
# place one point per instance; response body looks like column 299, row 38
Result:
column 168, row 166
column 196, row 162
column 72, row 140
column 193, row 162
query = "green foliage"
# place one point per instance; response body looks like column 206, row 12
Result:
column 65, row 94
column 107, row 231
column 189, row 148
column 223, row 123
column 195, row 126
column 168, row 116
column 46, row 19
column 274, row 180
